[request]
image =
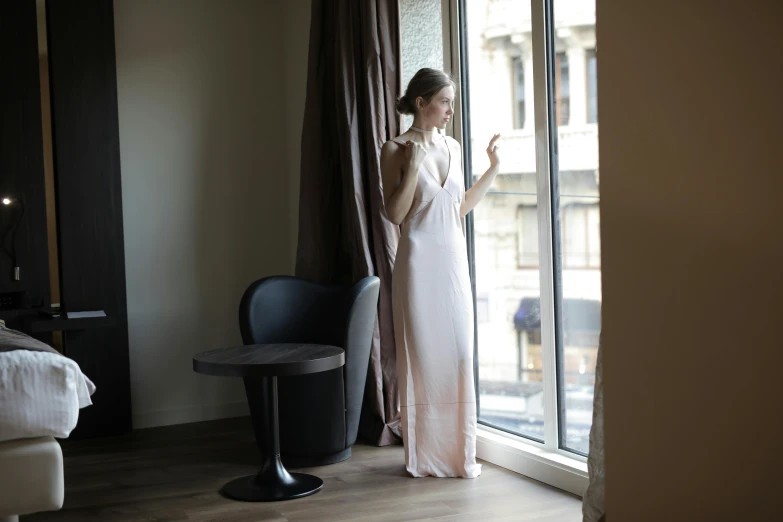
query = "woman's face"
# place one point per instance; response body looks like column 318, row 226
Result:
column 439, row 110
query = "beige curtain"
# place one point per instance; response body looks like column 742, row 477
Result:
column 593, row 501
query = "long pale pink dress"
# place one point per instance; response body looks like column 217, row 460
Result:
column 433, row 326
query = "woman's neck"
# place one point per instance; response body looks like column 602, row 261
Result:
column 428, row 132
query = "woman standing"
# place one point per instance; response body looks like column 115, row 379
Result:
column 424, row 193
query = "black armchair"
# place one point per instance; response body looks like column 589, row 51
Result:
column 318, row 413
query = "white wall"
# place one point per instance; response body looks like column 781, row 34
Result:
column 207, row 113
column 690, row 113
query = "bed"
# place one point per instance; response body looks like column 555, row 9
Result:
column 41, row 393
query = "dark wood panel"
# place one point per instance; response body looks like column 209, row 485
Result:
column 89, row 201
column 21, row 157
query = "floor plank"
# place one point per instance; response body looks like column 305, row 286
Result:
column 174, row 473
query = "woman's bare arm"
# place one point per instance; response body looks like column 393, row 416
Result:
column 479, row 190
column 399, row 173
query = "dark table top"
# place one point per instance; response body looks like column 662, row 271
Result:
column 269, row 360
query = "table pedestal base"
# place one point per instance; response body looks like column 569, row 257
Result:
column 272, row 483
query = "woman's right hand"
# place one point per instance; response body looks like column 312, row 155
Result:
column 414, row 153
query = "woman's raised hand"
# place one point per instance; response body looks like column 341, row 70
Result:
column 492, row 151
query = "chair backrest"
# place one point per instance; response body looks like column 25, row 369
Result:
column 288, row 309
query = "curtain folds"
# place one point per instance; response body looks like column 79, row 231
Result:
column 352, row 84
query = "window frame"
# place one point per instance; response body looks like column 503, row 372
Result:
column 546, row 461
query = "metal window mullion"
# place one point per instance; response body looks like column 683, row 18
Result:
column 543, row 133
column 453, row 15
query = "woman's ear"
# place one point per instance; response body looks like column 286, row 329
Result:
column 419, row 103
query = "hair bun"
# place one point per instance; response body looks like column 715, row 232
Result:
column 404, row 105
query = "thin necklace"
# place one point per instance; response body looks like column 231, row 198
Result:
column 422, row 130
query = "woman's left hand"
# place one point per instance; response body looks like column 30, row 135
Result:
column 492, row 151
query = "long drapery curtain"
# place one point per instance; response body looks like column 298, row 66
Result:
column 593, row 509
column 352, row 84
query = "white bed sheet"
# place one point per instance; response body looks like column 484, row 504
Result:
column 41, row 394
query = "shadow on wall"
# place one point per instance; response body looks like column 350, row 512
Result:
column 205, row 191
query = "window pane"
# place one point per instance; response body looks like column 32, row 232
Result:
column 562, row 85
column 519, row 91
column 421, row 40
column 527, row 236
column 500, row 71
column 577, row 239
column 592, row 87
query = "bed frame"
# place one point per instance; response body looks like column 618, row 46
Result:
column 31, row 477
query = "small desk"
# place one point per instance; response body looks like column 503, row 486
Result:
column 260, row 365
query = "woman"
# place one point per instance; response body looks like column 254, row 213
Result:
column 424, row 193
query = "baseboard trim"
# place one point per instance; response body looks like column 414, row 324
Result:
column 186, row 415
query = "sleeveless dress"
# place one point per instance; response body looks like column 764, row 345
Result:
column 433, row 326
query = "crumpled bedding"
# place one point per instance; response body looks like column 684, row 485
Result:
column 41, row 390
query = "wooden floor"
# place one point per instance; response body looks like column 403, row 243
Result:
column 174, row 473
